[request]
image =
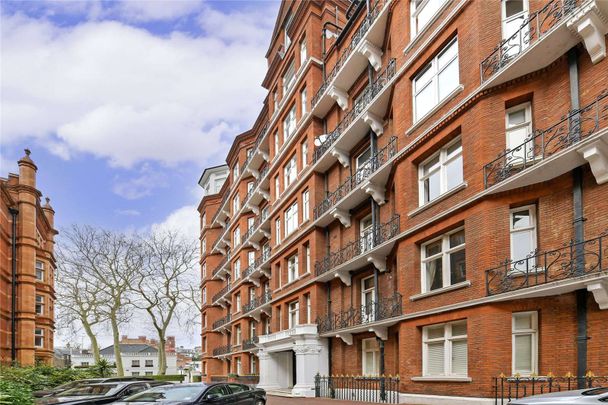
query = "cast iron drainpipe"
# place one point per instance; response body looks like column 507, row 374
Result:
column 14, row 212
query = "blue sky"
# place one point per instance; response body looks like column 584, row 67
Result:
column 124, row 103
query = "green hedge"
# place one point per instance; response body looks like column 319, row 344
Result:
column 197, row 378
column 169, row 377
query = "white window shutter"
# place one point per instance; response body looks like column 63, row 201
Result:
column 459, row 357
column 435, row 358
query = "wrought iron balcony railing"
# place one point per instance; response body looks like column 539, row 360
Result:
column 366, row 242
column 362, row 174
column 221, row 293
column 531, row 30
column 256, row 224
column 263, row 174
column 346, row 52
column 256, row 145
column 222, row 263
column 221, row 322
column 385, row 308
column 574, row 259
column 367, row 96
column 219, row 351
column 219, row 207
column 257, row 302
column 250, row 343
column 576, row 126
column 258, row 262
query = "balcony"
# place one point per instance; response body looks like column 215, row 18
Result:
column 259, row 304
column 580, row 136
column 217, row 298
column 221, row 322
column 258, row 193
column 224, row 265
column 250, row 343
column 258, row 268
column 222, row 351
column 371, row 247
column 288, row 335
column 259, row 230
column 573, row 266
column 369, row 179
column 545, row 36
column 366, row 113
column 259, row 154
column 375, row 317
column 221, row 216
column 364, row 47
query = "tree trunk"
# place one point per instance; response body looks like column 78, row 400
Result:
column 116, row 335
column 93, row 339
column 162, row 356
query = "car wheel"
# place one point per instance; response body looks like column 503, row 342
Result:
column 259, row 402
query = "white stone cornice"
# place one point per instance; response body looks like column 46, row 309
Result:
column 591, row 25
column 596, row 154
column 600, row 292
column 372, row 53
column 339, row 95
column 342, row 156
column 341, row 215
column 374, row 122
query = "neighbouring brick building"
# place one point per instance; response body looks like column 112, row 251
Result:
column 27, row 228
column 423, row 194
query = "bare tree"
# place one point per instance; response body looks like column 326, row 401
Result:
column 162, row 281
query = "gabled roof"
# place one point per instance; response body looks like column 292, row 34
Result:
column 130, row 348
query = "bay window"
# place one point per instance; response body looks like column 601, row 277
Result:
column 39, row 337
column 444, row 349
column 444, row 261
column 440, row 173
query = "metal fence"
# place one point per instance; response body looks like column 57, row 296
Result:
column 358, row 388
column 507, row 389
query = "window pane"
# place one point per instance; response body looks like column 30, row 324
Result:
column 445, row 57
column 523, row 322
column 457, row 267
column 368, row 283
column 457, row 239
column 435, row 358
column 423, row 78
column 430, row 165
column 517, row 117
column 513, row 7
column 448, row 79
column 435, row 332
column 432, row 187
column 523, row 353
column 521, row 244
column 454, row 149
column 454, row 173
column 459, row 329
column 459, row 357
column 425, row 100
column 521, row 219
column 433, row 248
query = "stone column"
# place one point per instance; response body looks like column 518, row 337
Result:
column 269, row 379
column 311, row 358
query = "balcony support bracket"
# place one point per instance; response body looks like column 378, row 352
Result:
column 374, row 122
column 265, row 194
column 265, row 156
column 376, row 191
column 256, row 316
column 596, row 154
column 341, row 215
column 340, row 96
column 600, row 292
column 255, row 282
column 266, row 234
column 380, row 331
column 372, row 53
column 344, row 277
column 222, row 223
column 255, row 173
column 252, row 207
column 255, row 245
column 591, row 25
column 265, row 273
column 346, row 338
column 342, row 156
column 378, row 261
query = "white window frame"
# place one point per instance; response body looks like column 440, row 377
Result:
column 39, row 334
column 448, row 340
column 277, row 187
column 434, row 79
column 291, row 219
column 441, row 166
column 289, row 78
column 277, row 231
column 276, row 143
column 528, row 149
column 416, row 28
column 237, row 334
column 533, row 333
column 204, row 293
column 523, row 15
column 236, row 236
column 289, row 124
column 204, row 246
column 308, row 309
column 239, row 368
column 307, row 257
column 204, row 270
column 236, row 204
column 370, row 346
column 237, row 269
column 252, row 364
column 39, row 305
column 236, row 171
column 305, row 205
column 294, row 314
column 290, row 171
column 250, row 257
column 292, row 268
column 303, row 51
column 237, row 301
column 303, row 101
column 445, row 253
column 304, row 146
column 521, row 264
column 39, row 270
column 368, row 314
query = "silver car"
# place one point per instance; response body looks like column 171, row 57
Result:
column 587, row 396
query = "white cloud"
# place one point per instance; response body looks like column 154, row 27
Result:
column 155, row 10
column 128, row 212
column 249, row 25
column 122, row 94
column 141, row 185
column 184, row 220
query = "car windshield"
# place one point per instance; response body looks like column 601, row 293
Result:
column 89, row 390
column 187, row 393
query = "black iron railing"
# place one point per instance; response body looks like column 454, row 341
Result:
column 576, row 126
column 256, row 224
column 507, row 389
column 261, row 176
column 222, row 263
column 346, row 52
column 221, row 293
column 358, row 388
column 219, row 207
column 367, row 241
column 218, row 351
column 574, row 259
column 257, row 301
column 385, row 308
column 362, row 174
column 250, row 343
column 221, row 322
column 266, row 251
column 530, row 31
column 363, row 101
column 256, row 145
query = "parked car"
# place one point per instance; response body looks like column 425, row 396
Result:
column 99, row 393
column 74, row 384
column 579, row 397
column 198, row 394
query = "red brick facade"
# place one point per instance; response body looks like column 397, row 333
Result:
column 476, row 195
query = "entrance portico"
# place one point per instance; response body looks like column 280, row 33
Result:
column 291, row 358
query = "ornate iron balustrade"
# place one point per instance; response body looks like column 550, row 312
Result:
column 358, row 388
column 574, row 259
column 263, row 174
column 385, row 308
column 507, row 389
column 250, row 343
column 257, row 301
column 256, row 145
column 222, row 263
column 221, row 322
column 256, row 224
column 219, row 351
column 366, row 97
column 362, row 174
column 222, row 202
column 346, row 52
column 366, row 242
column 531, row 30
column 221, row 293
column 258, row 262
column 576, row 126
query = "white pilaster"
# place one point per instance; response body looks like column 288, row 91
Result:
column 268, row 372
column 311, row 358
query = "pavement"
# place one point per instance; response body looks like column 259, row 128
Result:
column 280, row 400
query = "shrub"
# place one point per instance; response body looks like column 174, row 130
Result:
column 169, row 377
column 14, row 393
column 197, row 378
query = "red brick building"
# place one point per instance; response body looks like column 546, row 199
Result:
column 422, row 194
column 26, row 250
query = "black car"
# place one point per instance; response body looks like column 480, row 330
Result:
column 99, row 393
column 74, row 384
column 198, row 394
